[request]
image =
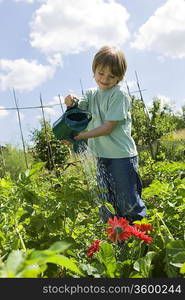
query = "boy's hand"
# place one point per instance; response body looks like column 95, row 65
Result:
column 67, row 143
column 79, row 137
column 69, row 100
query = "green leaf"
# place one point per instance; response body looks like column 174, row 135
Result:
column 60, row 246
column 15, row 261
column 6, row 184
column 181, row 190
column 2, row 236
column 144, row 264
column 179, row 257
column 174, row 247
column 107, row 257
column 38, row 256
column 182, row 270
column 36, row 168
column 64, row 262
column 110, row 207
column 32, row 271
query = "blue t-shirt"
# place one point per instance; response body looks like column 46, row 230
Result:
column 110, row 105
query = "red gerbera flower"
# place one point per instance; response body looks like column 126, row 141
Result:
column 143, row 227
column 141, row 235
column 93, row 248
column 119, row 229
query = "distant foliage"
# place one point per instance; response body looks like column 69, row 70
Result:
column 149, row 128
column 12, row 161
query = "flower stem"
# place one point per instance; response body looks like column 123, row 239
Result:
column 21, row 239
column 165, row 226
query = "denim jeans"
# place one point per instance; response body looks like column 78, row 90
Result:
column 120, row 185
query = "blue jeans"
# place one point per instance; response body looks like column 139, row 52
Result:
column 120, row 185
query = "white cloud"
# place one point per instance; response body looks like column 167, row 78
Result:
column 26, row 1
column 70, row 26
column 164, row 100
column 23, row 75
column 174, row 104
column 164, row 31
column 29, row 1
column 3, row 112
column 55, row 60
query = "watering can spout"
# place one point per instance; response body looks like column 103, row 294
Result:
column 70, row 124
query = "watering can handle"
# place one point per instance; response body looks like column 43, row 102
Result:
column 70, row 139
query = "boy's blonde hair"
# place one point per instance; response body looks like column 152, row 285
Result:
column 112, row 57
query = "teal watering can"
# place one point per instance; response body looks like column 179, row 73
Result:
column 70, row 124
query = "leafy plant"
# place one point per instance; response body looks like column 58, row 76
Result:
column 33, row 263
column 47, row 148
column 47, row 223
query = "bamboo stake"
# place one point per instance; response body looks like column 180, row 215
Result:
column 50, row 156
column 3, row 159
column 20, row 127
column 81, row 87
column 148, row 117
column 61, row 104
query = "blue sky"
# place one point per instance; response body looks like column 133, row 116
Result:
column 47, row 47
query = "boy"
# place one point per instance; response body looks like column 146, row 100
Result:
column 109, row 135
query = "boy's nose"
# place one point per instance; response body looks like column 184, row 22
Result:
column 105, row 79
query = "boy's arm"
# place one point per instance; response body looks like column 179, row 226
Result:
column 104, row 129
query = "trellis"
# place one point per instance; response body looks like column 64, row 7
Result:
column 42, row 107
column 17, row 109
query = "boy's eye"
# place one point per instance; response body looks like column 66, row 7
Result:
column 110, row 76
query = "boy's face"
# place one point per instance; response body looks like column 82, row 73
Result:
column 104, row 78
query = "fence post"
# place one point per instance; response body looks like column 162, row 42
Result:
column 61, row 104
column 3, row 160
column 20, row 127
column 50, row 156
column 148, row 117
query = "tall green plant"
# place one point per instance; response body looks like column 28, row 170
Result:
column 47, row 148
